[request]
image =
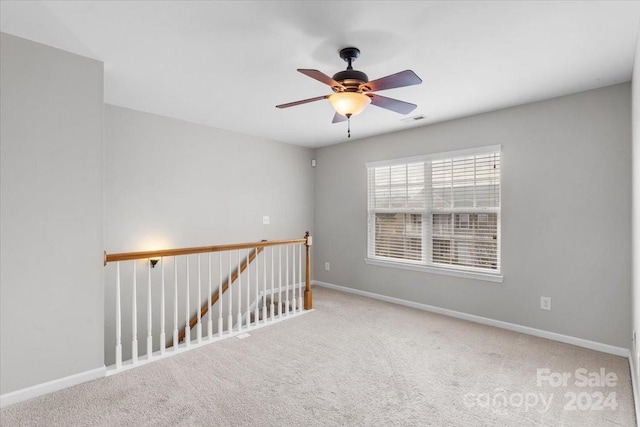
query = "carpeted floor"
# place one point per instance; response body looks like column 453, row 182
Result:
column 355, row 361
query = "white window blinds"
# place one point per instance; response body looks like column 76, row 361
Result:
column 440, row 210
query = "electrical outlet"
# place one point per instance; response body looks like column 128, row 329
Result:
column 545, row 303
column 327, row 266
column 266, row 220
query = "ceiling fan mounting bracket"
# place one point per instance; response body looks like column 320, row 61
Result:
column 349, row 54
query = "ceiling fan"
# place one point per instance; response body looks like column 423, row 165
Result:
column 353, row 91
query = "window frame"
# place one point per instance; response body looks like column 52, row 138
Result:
column 426, row 263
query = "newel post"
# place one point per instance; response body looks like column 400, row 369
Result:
column 308, row 299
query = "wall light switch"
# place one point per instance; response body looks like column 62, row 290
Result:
column 266, row 220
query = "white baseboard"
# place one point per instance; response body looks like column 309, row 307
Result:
column 605, row 348
column 634, row 385
column 51, row 386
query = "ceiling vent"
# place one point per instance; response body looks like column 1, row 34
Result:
column 413, row 119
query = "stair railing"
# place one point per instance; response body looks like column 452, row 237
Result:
column 277, row 268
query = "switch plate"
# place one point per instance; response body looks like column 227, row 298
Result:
column 545, row 303
column 327, row 266
column 266, row 220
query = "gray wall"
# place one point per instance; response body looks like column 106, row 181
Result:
column 51, row 226
column 170, row 184
column 566, row 215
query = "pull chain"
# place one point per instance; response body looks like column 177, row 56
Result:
column 348, row 127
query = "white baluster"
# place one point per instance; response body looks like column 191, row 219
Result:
column 273, row 292
column 239, row 314
column 199, row 314
column 229, row 291
column 279, row 281
column 118, row 320
column 300, row 278
column 286, row 308
column 149, row 317
column 176, row 333
column 256, row 313
column 134, row 319
column 210, row 320
column 293, row 281
column 162, row 314
column 220, row 325
column 248, row 309
column 187, row 328
column 264, row 285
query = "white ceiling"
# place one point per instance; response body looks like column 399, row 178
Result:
column 227, row 64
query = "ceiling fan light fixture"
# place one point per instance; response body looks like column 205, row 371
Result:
column 349, row 103
column 348, row 86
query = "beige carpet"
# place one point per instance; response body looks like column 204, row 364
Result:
column 352, row 362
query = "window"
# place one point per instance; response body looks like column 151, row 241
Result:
column 438, row 211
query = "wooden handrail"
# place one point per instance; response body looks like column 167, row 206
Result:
column 126, row 256
column 215, row 297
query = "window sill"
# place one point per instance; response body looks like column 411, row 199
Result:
column 488, row 277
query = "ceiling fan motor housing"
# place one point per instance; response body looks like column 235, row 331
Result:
column 351, row 79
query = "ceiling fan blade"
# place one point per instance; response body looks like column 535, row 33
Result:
column 303, row 101
column 401, row 79
column 391, row 104
column 337, row 118
column 321, row 77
